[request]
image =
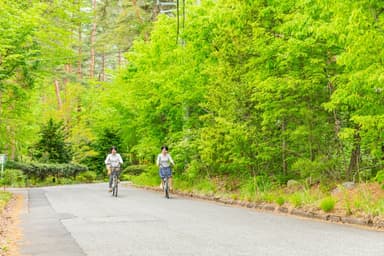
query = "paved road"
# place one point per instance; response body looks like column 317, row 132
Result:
column 82, row 220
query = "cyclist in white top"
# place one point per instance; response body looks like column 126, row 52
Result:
column 164, row 161
column 113, row 163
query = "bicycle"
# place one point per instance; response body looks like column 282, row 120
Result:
column 166, row 186
column 115, row 181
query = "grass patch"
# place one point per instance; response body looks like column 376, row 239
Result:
column 327, row 204
column 4, row 199
column 280, row 200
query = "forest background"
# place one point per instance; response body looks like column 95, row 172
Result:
column 247, row 94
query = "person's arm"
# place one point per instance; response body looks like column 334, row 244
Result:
column 120, row 159
column 171, row 160
column 107, row 160
column 158, row 161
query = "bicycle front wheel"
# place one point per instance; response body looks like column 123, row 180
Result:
column 166, row 188
column 114, row 186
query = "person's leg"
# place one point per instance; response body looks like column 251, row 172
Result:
column 110, row 182
column 161, row 174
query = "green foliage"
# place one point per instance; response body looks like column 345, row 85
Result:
column 107, row 138
column 280, row 200
column 327, row 204
column 135, row 169
column 261, row 91
column 87, row 177
column 204, row 186
column 150, row 177
column 14, row 178
column 316, row 171
column 300, row 198
column 4, row 199
column 42, row 171
column 52, row 147
column 380, row 178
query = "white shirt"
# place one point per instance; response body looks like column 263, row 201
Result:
column 164, row 160
column 114, row 160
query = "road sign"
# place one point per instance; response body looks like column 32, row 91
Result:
column 3, row 158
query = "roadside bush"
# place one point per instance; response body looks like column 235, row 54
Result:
column 300, row 198
column 42, row 171
column 125, row 177
column 135, row 169
column 65, row 181
column 328, row 204
column 13, row 178
column 87, row 177
column 150, row 177
column 4, row 198
column 280, row 200
column 380, row 178
column 315, row 171
column 205, row 186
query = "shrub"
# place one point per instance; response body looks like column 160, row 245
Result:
column 14, row 178
column 4, row 198
column 296, row 199
column 150, row 177
column 328, row 204
column 205, row 186
column 125, row 176
column 65, row 181
column 317, row 170
column 300, row 198
column 135, row 169
column 87, row 177
column 280, row 200
column 380, row 178
column 42, row 171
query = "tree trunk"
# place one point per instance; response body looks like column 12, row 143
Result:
column 57, row 90
column 80, row 62
column 119, row 57
column 93, row 40
column 137, row 11
column 284, row 149
column 337, row 129
column 67, row 69
column 354, row 162
column 102, row 75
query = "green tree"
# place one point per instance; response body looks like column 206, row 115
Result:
column 52, row 146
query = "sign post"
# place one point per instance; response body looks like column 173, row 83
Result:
column 3, row 158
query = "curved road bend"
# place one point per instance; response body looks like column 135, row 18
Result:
column 79, row 220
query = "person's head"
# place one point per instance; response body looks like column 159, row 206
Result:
column 164, row 149
column 113, row 150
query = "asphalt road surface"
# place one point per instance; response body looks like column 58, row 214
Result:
column 86, row 220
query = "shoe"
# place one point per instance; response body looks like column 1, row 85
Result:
column 110, row 190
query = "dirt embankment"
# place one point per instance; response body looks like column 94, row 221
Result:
column 10, row 233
